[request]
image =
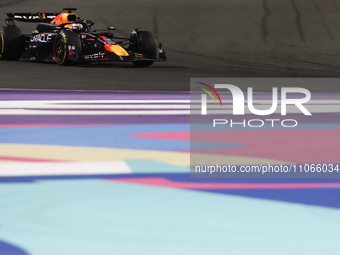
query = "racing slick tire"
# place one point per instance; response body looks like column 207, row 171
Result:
column 62, row 53
column 12, row 43
column 146, row 46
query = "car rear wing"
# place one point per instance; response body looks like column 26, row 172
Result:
column 44, row 17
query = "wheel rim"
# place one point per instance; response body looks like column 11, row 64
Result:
column 59, row 49
column 2, row 43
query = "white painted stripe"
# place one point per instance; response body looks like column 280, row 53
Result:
column 151, row 107
column 48, row 112
column 26, row 102
column 116, row 106
column 37, row 103
column 69, row 107
column 63, row 168
column 211, row 110
column 269, row 102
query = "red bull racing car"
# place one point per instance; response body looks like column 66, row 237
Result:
column 68, row 40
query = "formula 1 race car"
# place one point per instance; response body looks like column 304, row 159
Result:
column 68, row 40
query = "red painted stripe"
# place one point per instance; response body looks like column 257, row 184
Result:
column 30, row 159
column 162, row 182
column 53, row 125
column 301, row 146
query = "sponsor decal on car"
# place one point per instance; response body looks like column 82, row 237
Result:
column 109, row 41
column 94, row 56
column 138, row 55
column 29, row 17
column 42, row 38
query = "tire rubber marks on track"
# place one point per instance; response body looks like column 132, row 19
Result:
column 265, row 20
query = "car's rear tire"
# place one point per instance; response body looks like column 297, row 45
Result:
column 145, row 45
column 12, row 43
column 61, row 48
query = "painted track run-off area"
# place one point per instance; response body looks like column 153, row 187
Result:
column 108, row 172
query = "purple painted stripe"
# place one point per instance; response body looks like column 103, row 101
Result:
column 105, row 119
column 120, row 119
column 268, row 96
column 114, row 119
column 89, row 95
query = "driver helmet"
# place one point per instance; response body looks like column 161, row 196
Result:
column 75, row 26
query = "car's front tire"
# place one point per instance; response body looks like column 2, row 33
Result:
column 67, row 48
column 146, row 45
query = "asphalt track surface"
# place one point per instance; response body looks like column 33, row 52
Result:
column 236, row 38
